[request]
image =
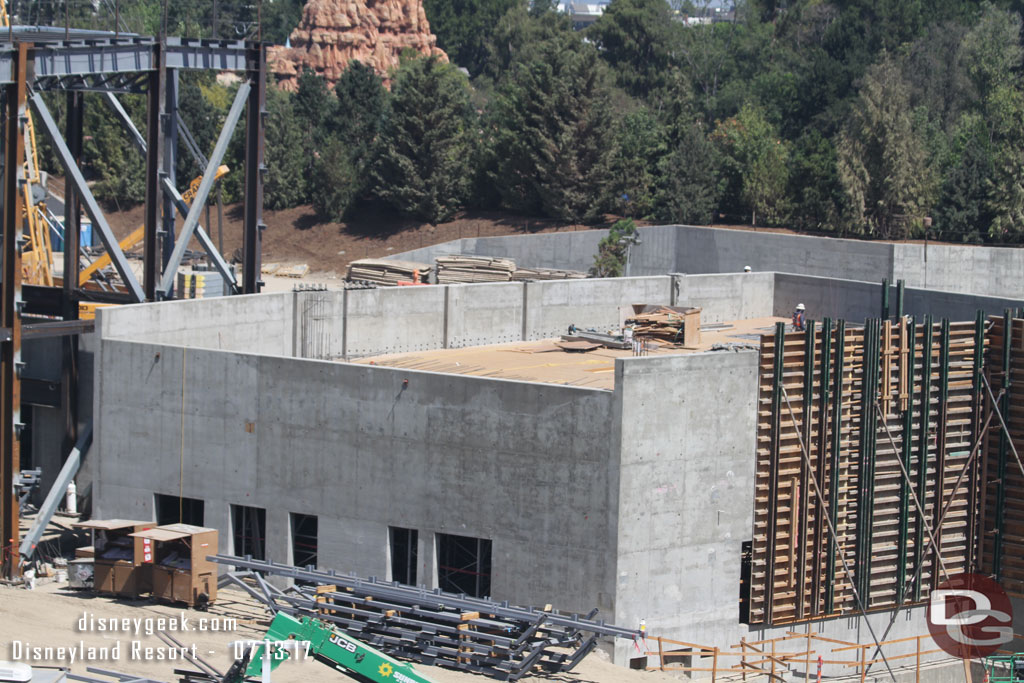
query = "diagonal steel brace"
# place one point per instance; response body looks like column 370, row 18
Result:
column 209, row 176
column 67, row 161
column 179, row 203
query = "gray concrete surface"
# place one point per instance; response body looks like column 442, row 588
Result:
column 687, row 432
column 525, row 465
column 855, row 301
column 992, row 271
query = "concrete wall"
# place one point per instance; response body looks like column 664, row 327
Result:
column 394, row 319
column 687, row 435
column 257, row 323
column 602, row 303
column 526, row 465
column 856, row 301
column 993, row 271
column 355, row 323
column 732, row 296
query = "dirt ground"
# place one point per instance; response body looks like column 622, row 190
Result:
column 54, row 616
column 296, row 236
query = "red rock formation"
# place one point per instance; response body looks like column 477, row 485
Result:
column 332, row 32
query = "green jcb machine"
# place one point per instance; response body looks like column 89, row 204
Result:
column 328, row 645
column 1005, row 668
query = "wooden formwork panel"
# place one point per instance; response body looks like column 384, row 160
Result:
column 1002, row 492
column 849, row 407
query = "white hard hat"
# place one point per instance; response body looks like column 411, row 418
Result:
column 746, row 269
column 799, row 307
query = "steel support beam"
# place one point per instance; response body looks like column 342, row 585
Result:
column 92, row 208
column 170, row 193
column 169, row 162
column 72, row 243
column 252, row 225
column 150, row 240
column 203, row 192
column 10, row 315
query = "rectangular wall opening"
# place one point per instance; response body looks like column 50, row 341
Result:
column 403, row 554
column 304, row 540
column 464, row 565
column 249, row 531
column 168, row 510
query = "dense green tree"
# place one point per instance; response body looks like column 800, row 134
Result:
column 117, row 167
column 550, row 125
column 463, row 28
column 962, row 213
column 1005, row 196
column 280, row 17
column 635, row 37
column 613, row 250
column 286, row 180
column 203, row 122
column 640, row 144
column 817, row 196
column 336, row 182
column 688, row 180
column 754, row 160
column 314, row 106
column 425, row 144
column 882, row 161
column 517, row 34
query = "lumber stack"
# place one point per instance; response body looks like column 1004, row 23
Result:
column 666, row 323
column 388, row 271
column 527, row 274
column 460, row 268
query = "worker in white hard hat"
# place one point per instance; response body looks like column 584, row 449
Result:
column 799, row 318
column 747, row 269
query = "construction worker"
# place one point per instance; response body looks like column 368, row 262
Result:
column 799, row 318
column 747, row 269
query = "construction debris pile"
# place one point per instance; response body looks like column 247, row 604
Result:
column 455, row 631
column 389, row 272
column 457, row 268
column 666, row 324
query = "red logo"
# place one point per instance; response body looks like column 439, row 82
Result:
column 970, row 616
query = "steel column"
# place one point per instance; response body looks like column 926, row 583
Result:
column 885, row 303
column 203, row 192
column 10, row 301
column 940, row 446
column 1004, row 407
column 836, row 449
column 922, row 449
column 822, row 469
column 907, row 452
column 802, row 533
column 773, row 467
column 72, row 214
column 169, row 126
column 150, row 240
column 973, row 483
column 900, row 287
column 252, row 227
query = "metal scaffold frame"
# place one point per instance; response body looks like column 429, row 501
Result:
column 33, row 62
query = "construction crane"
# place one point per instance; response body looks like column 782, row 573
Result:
column 329, row 646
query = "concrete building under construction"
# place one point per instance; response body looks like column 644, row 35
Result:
column 717, row 493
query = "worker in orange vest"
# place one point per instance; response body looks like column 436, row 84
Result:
column 799, row 318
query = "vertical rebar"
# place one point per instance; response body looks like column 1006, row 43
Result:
column 1004, row 406
column 885, row 301
column 773, row 467
column 822, row 448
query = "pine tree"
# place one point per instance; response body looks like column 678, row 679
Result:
column 688, row 191
column 550, row 124
column 286, row 180
column 423, row 150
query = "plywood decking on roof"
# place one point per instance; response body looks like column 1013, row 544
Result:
column 545, row 361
